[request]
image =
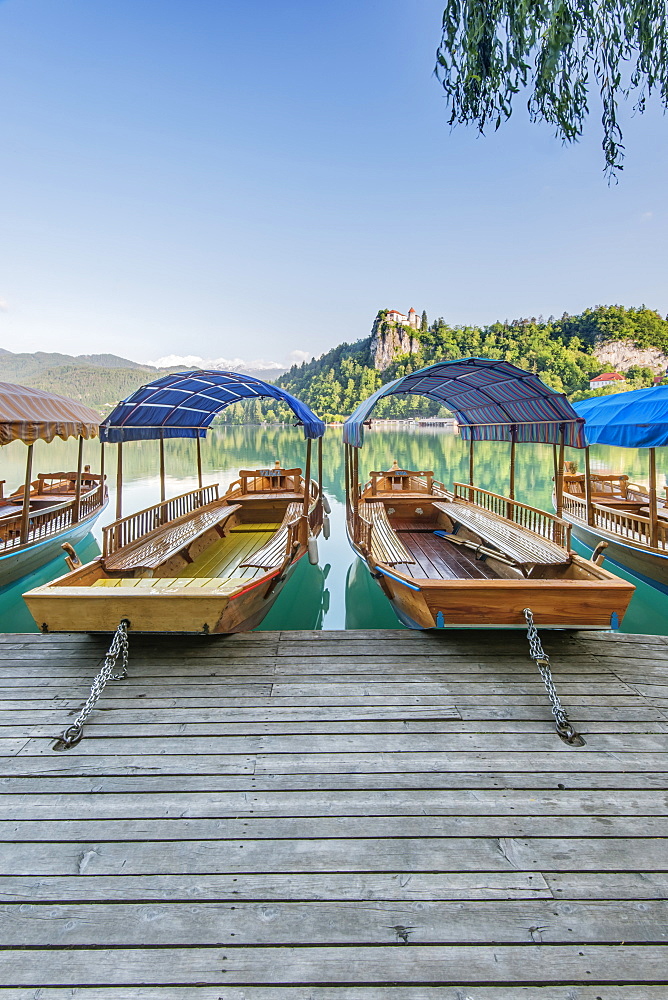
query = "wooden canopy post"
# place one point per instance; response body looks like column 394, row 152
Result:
column 307, row 478
column 471, row 465
column 346, row 470
column 653, row 516
column 76, row 512
column 101, row 472
column 355, row 480
column 588, row 500
column 199, row 460
column 162, row 468
column 511, row 485
column 119, row 482
column 320, row 471
column 25, row 514
column 559, row 484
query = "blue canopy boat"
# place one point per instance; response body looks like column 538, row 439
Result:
column 604, row 508
column 464, row 556
column 199, row 562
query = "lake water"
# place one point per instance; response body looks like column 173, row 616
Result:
column 338, row 593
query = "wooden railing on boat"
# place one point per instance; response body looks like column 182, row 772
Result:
column 133, row 527
column 540, row 522
column 49, row 521
column 629, row 525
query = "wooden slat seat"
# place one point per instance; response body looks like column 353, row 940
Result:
column 143, row 584
column 386, row 547
column 162, row 543
column 518, row 544
column 273, row 553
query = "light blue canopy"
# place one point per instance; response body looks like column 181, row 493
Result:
column 636, row 419
column 185, row 403
column 492, row 401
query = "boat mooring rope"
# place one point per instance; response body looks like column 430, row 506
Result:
column 120, row 646
column 537, row 653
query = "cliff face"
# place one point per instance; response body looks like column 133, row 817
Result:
column 624, row 353
column 388, row 340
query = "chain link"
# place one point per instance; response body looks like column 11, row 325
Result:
column 120, row 646
column 542, row 660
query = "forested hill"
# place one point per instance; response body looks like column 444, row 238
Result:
column 565, row 353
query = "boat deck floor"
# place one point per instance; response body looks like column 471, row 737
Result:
column 438, row 559
column 224, row 557
column 363, row 815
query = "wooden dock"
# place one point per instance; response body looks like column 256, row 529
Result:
column 335, row 816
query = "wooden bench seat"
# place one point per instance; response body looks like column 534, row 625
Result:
column 274, row 552
column 162, row 543
column 386, row 546
column 154, row 584
column 521, row 546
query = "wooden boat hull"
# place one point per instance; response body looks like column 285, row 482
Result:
column 651, row 567
column 16, row 564
column 187, row 609
column 581, row 604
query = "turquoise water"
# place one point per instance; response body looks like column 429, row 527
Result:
column 338, row 593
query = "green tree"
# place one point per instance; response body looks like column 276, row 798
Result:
column 558, row 50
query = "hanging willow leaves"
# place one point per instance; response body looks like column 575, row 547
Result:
column 557, row 51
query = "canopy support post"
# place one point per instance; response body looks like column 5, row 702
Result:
column 320, row 471
column 77, row 489
column 25, row 514
column 162, row 468
column 199, row 460
column 119, row 482
column 346, row 463
column 559, row 484
column 588, row 500
column 654, row 526
column 356, row 481
column 101, row 472
column 510, row 508
column 307, row 478
column 471, row 465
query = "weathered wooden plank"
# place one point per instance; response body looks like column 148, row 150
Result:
column 405, row 854
column 412, row 992
column 562, row 760
column 361, row 886
column 106, row 726
column 369, row 802
column 344, row 923
column 143, row 780
column 292, row 827
column 357, row 743
column 344, row 964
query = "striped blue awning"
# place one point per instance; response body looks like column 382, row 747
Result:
column 184, row 404
column 491, row 400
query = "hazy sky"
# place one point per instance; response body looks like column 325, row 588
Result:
column 249, row 178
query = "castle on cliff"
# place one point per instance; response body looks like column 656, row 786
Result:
column 412, row 319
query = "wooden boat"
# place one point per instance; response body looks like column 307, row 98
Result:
column 199, row 562
column 465, row 556
column 604, row 508
column 55, row 507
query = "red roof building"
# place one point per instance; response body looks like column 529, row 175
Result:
column 606, row 378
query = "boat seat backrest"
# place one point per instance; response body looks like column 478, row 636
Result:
column 399, row 480
column 274, row 552
column 606, row 485
column 270, row 480
column 386, row 546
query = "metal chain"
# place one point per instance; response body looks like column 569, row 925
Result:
column 542, row 660
column 120, row 646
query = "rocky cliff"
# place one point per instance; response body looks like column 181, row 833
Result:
column 621, row 354
column 387, row 341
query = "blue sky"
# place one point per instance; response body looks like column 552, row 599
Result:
column 247, row 179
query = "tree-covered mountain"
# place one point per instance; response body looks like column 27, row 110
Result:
column 563, row 352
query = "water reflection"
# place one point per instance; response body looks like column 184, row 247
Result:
column 342, row 596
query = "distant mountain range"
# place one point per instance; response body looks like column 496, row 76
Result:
column 98, row 380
